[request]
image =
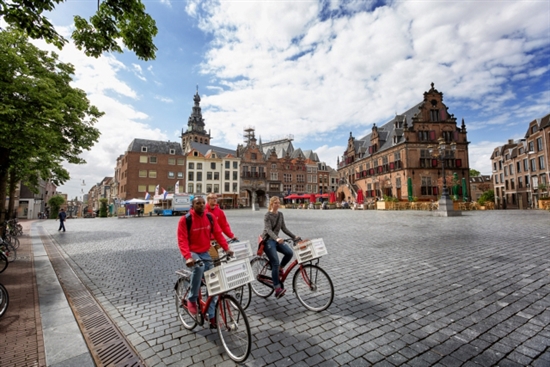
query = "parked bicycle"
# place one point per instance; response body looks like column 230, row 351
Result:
column 4, row 300
column 3, row 262
column 311, row 284
column 231, row 321
column 8, row 250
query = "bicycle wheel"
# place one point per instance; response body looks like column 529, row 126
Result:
column 15, row 242
column 8, row 251
column 4, row 300
column 181, row 291
column 260, row 267
column 3, row 262
column 313, row 287
column 233, row 328
column 19, row 229
column 243, row 295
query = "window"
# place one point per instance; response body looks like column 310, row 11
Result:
column 171, row 175
column 448, row 136
column 496, row 179
column 227, row 164
column 191, row 165
column 274, row 176
column 172, row 151
column 152, row 174
column 213, row 165
column 533, row 129
column 171, row 161
column 227, row 174
column 216, row 188
column 199, row 176
column 541, row 162
column 274, row 166
column 505, row 171
column 494, row 166
column 520, row 182
column 216, row 175
column 152, row 189
column 180, row 174
column 533, row 165
column 208, row 188
column 287, row 188
column 525, row 165
column 142, row 188
column 142, row 173
column 181, row 161
column 234, row 187
column 539, row 144
column 287, row 177
column 235, row 175
column 199, row 165
column 190, row 176
column 226, row 187
column 434, row 115
column 253, row 156
column 208, row 175
column 142, row 159
column 152, row 159
column 300, row 178
column 499, row 165
column 526, row 181
column 235, row 165
column 531, row 146
column 511, row 169
column 518, row 167
column 501, row 178
column 190, row 187
column 427, row 188
column 144, row 149
column 199, row 188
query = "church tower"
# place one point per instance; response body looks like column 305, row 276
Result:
column 195, row 126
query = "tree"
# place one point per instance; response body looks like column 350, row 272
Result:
column 103, row 207
column 55, row 204
column 474, row 173
column 43, row 120
column 114, row 19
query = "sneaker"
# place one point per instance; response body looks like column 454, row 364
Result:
column 192, row 308
column 213, row 323
column 279, row 292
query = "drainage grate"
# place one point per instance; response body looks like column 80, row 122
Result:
column 106, row 343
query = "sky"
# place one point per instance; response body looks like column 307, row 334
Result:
column 315, row 70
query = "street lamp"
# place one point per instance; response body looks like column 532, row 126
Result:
column 445, row 208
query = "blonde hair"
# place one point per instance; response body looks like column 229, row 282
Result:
column 271, row 201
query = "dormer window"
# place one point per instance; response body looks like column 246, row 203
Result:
column 144, row 149
column 172, row 151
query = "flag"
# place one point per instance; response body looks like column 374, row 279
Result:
column 147, row 196
column 165, row 193
column 157, row 190
column 177, row 187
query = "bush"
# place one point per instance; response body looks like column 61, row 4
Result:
column 488, row 195
column 55, row 203
column 103, row 208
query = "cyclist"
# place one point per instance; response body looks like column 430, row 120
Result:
column 273, row 223
column 195, row 245
column 213, row 208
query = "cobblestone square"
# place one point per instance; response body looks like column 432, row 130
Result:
column 410, row 289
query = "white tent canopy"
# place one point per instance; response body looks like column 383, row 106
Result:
column 136, row 201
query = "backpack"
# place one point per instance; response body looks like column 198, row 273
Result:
column 189, row 222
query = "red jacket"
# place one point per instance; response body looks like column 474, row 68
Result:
column 222, row 221
column 199, row 240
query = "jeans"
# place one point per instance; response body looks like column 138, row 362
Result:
column 196, row 277
column 61, row 225
column 271, row 248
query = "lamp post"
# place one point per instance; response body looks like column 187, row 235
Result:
column 445, row 208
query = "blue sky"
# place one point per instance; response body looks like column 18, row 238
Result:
column 317, row 70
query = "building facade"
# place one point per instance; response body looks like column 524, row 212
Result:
column 398, row 152
column 480, row 184
column 520, row 167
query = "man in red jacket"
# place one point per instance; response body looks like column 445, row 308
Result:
column 195, row 245
column 213, row 208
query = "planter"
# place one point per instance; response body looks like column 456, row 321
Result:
column 456, row 205
column 382, row 205
column 331, row 206
column 543, row 204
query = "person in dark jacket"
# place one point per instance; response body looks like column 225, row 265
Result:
column 195, row 245
column 62, row 216
column 273, row 223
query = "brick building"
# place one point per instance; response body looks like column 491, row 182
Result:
column 479, row 185
column 382, row 162
column 520, row 168
column 148, row 163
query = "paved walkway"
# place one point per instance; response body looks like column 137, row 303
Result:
column 411, row 290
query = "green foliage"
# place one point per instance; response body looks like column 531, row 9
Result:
column 103, row 207
column 487, row 196
column 44, row 121
column 55, row 203
column 114, row 19
column 390, row 199
column 474, row 173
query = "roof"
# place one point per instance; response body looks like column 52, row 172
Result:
column 205, row 148
column 155, row 146
column 282, row 147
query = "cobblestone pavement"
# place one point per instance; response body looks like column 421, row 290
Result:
column 410, row 289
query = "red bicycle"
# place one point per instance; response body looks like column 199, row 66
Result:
column 311, row 284
column 231, row 321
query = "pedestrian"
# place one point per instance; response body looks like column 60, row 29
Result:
column 213, row 208
column 62, row 216
column 194, row 245
column 273, row 223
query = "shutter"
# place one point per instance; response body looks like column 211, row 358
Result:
column 434, row 162
column 370, row 149
column 455, row 135
column 435, row 191
column 442, row 114
column 459, row 162
column 392, row 165
column 432, row 134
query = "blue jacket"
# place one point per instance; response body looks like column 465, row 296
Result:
column 62, row 215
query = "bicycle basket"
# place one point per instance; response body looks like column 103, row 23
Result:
column 308, row 250
column 228, row 276
column 241, row 250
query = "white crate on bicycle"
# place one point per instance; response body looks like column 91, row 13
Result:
column 309, row 249
column 241, row 250
column 228, row 276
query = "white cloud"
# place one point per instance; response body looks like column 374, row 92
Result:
column 480, row 156
column 164, row 99
column 138, row 72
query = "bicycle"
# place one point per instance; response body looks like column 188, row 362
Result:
column 8, row 250
column 3, row 262
column 311, row 284
column 231, row 321
column 4, row 300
